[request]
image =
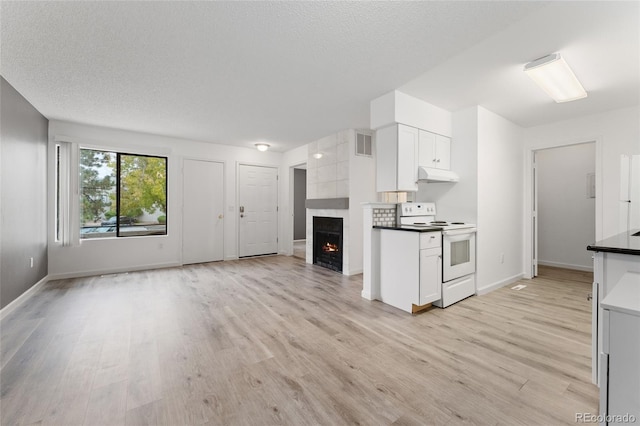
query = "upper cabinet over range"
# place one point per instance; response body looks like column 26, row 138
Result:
column 401, row 150
column 434, row 150
column 413, row 141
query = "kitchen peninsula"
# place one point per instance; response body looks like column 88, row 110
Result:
column 616, row 270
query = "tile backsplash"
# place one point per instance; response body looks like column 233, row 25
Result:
column 384, row 217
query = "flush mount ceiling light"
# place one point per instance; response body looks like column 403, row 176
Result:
column 262, row 146
column 554, row 76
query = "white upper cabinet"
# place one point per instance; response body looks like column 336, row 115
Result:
column 397, row 158
column 434, row 150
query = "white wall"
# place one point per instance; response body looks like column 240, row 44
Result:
column 566, row 216
column 500, row 210
column 486, row 152
column 362, row 189
column 615, row 132
column 111, row 255
column 458, row 201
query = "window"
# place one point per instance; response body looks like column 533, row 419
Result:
column 122, row 195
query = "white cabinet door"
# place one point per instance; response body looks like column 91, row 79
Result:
column 434, row 150
column 396, row 158
column 407, row 167
column 623, row 378
column 430, row 276
column 399, row 268
column 427, row 149
column 443, row 152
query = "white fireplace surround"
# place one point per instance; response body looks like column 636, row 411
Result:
column 346, row 246
column 337, row 183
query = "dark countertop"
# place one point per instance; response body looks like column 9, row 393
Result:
column 410, row 228
column 624, row 243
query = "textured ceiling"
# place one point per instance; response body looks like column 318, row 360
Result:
column 291, row 72
column 231, row 72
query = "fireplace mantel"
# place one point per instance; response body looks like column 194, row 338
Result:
column 327, row 203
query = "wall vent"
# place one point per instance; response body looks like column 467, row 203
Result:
column 363, row 145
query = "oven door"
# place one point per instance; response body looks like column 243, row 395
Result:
column 458, row 253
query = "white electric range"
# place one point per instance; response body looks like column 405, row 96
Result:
column 458, row 249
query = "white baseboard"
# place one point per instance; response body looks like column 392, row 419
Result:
column 352, row 272
column 93, row 272
column 491, row 287
column 22, row 298
column 366, row 295
column 566, row 265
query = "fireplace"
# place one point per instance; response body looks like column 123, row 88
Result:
column 327, row 242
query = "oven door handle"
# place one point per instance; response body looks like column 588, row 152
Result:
column 462, row 231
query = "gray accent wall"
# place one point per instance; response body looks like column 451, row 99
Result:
column 299, row 198
column 23, row 194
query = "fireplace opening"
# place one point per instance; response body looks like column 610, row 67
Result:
column 327, row 242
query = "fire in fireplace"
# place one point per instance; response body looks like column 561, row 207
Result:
column 327, row 242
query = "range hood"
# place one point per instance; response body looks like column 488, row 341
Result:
column 428, row 174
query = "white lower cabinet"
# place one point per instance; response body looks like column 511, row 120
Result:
column 410, row 268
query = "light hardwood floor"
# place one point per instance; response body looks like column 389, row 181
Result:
column 276, row 341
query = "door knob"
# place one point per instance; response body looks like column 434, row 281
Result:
column 589, row 296
column 220, row 216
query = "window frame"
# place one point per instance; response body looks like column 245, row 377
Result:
column 118, row 154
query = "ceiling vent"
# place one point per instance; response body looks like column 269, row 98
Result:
column 363, row 145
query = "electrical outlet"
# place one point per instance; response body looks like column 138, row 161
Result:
column 31, row 262
column 501, row 257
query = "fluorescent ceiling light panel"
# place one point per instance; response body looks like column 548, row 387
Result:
column 554, row 76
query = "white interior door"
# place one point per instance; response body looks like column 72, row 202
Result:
column 257, row 210
column 203, row 219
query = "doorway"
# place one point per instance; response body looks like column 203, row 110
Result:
column 257, row 210
column 564, row 206
column 203, row 219
column 299, row 211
